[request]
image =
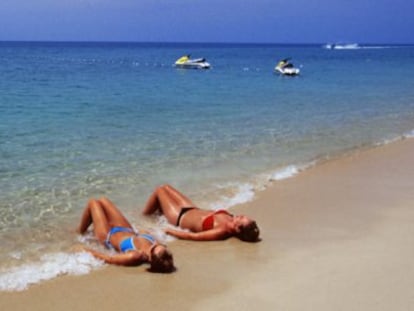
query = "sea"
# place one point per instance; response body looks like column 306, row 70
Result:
column 85, row 120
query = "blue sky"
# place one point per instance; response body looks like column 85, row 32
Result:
column 273, row 21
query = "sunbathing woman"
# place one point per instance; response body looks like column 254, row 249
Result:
column 113, row 230
column 203, row 225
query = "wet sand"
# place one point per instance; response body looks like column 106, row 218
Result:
column 339, row 236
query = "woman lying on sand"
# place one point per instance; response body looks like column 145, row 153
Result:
column 203, row 225
column 113, row 230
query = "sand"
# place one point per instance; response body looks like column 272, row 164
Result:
column 339, row 236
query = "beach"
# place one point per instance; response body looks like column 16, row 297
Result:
column 338, row 236
column 117, row 120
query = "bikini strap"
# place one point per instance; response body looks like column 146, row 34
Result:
column 148, row 237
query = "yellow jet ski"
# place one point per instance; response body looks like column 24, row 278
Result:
column 187, row 63
column 285, row 67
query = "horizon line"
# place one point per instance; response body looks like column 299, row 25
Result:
column 198, row 42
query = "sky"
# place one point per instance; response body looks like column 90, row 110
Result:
column 249, row 21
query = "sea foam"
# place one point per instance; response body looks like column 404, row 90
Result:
column 409, row 134
column 50, row 266
column 286, row 172
column 245, row 193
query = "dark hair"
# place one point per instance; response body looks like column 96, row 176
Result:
column 162, row 261
column 249, row 232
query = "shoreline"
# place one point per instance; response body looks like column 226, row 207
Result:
column 337, row 236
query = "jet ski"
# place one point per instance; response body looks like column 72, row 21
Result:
column 188, row 63
column 285, row 67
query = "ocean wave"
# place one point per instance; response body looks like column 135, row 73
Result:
column 406, row 135
column 244, row 193
column 285, row 172
column 409, row 134
column 50, row 266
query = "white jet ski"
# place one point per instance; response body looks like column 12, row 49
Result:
column 286, row 68
column 188, row 63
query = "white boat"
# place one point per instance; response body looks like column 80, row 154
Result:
column 341, row 46
column 188, row 63
column 286, row 68
column 329, row 46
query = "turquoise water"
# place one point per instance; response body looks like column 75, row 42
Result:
column 81, row 120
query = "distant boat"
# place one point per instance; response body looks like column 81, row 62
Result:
column 341, row 46
column 329, row 46
column 188, row 63
column 286, row 68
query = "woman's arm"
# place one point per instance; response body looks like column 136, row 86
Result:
column 125, row 259
column 209, row 235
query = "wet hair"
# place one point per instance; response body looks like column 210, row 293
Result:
column 249, row 232
column 162, row 261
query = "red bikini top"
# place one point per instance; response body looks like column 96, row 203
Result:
column 208, row 222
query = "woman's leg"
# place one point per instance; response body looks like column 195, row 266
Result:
column 178, row 197
column 160, row 199
column 152, row 204
column 95, row 214
column 113, row 214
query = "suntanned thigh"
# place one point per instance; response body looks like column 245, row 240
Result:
column 179, row 197
column 169, row 206
column 113, row 214
column 100, row 222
